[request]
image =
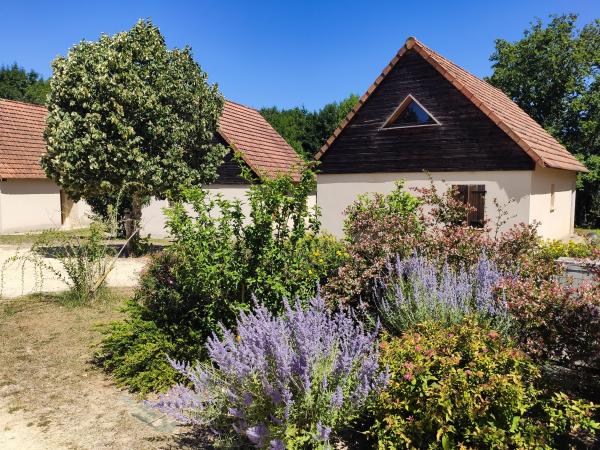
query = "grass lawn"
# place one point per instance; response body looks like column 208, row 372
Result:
column 52, row 396
column 584, row 231
column 30, row 238
column 24, row 239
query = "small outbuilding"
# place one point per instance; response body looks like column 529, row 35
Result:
column 426, row 119
column 29, row 201
column 262, row 150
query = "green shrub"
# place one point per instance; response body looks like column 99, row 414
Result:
column 218, row 260
column 84, row 261
column 135, row 352
column 554, row 249
column 467, row 387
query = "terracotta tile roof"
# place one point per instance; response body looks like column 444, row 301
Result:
column 243, row 128
column 261, row 147
column 21, row 139
column 526, row 132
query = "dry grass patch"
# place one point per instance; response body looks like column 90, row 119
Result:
column 49, row 390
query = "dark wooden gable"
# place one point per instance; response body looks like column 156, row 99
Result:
column 465, row 140
column 230, row 171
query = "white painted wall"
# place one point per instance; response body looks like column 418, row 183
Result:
column 336, row 191
column 34, row 205
column 154, row 220
column 29, row 205
column 557, row 224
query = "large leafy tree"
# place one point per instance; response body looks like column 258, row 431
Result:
column 553, row 73
column 18, row 84
column 126, row 114
column 307, row 131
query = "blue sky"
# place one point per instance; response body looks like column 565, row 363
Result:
column 265, row 53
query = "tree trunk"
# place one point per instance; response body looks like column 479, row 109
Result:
column 132, row 222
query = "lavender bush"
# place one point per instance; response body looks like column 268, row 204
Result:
column 417, row 290
column 281, row 382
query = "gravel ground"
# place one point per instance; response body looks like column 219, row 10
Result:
column 22, row 281
column 53, row 397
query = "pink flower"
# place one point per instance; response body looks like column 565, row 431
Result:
column 408, row 376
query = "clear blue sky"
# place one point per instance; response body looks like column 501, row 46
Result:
column 281, row 53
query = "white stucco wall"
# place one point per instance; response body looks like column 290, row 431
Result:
column 556, row 224
column 154, row 220
column 511, row 188
column 35, row 205
column 29, row 205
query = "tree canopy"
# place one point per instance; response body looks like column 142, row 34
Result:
column 18, row 84
column 127, row 111
column 553, row 73
column 307, row 131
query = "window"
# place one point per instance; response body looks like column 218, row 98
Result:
column 552, row 196
column 474, row 196
column 410, row 113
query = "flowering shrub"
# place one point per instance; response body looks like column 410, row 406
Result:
column 434, row 226
column 557, row 322
column 280, row 382
column 467, row 387
column 416, row 291
column 376, row 227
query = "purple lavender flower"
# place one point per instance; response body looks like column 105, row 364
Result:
column 323, row 432
column 258, row 434
column 277, row 444
column 338, row 398
column 418, row 290
column 261, row 374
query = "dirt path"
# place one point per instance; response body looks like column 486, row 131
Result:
column 19, row 282
column 51, row 397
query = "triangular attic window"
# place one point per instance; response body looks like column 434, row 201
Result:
column 410, row 113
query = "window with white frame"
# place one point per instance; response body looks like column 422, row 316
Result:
column 410, row 113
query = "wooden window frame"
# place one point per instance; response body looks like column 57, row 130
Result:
column 400, row 109
column 473, row 195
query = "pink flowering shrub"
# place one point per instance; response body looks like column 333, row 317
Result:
column 380, row 228
column 556, row 322
column 376, row 227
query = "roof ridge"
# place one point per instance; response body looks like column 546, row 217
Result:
column 23, row 103
column 462, row 69
column 243, row 106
